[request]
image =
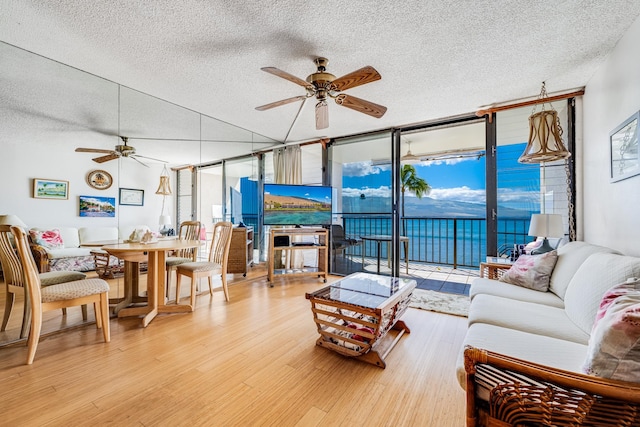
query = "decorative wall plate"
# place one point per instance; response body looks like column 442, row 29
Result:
column 99, row 179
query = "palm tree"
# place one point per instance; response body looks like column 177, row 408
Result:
column 413, row 183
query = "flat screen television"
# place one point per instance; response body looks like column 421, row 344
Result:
column 286, row 204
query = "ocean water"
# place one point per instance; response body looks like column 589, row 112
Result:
column 441, row 240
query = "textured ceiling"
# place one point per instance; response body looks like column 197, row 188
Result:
column 436, row 58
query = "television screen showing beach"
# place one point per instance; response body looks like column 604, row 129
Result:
column 297, row 205
column 94, row 206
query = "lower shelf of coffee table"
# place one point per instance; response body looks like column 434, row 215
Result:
column 356, row 331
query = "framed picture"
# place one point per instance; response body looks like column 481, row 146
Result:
column 50, row 189
column 96, row 206
column 131, row 197
column 625, row 162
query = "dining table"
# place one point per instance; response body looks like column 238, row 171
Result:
column 155, row 254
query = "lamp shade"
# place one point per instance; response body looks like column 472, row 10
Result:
column 12, row 220
column 546, row 225
column 164, row 188
column 545, row 139
column 164, row 220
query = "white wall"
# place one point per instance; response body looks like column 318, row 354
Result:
column 28, row 157
column 610, row 210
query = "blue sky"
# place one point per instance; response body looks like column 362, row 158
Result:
column 459, row 179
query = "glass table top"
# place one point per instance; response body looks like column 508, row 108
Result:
column 366, row 290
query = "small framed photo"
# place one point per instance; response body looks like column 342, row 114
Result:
column 625, row 160
column 96, row 206
column 50, row 189
column 131, row 197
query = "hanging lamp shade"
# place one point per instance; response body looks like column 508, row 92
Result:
column 545, row 136
column 164, row 188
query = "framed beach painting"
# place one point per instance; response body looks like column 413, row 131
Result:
column 625, row 160
column 96, row 206
column 50, row 189
column 131, row 197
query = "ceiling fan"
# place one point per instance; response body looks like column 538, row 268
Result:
column 123, row 150
column 323, row 85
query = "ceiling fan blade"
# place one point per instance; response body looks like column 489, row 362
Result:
column 93, row 150
column 279, row 103
column 361, row 105
column 150, row 158
column 134, row 158
column 286, row 76
column 106, row 158
column 322, row 115
column 359, row 77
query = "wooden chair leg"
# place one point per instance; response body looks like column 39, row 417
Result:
column 85, row 315
column 34, row 334
column 104, row 315
column 210, row 285
column 224, row 287
column 26, row 318
column 168, row 289
column 194, row 281
column 8, row 306
column 178, row 280
column 64, row 311
column 96, row 310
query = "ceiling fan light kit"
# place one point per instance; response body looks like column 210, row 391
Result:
column 323, row 85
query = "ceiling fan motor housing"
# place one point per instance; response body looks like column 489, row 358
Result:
column 321, row 80
column 125, row 150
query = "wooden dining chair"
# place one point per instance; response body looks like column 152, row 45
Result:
column 14, row 280
column 189, row 230
column 70, row 294
column 217, row 263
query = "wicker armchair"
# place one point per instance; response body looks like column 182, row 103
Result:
column 41, row 257
column 505, row 391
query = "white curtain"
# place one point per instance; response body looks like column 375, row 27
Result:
column 287, row 168
column 287, row 165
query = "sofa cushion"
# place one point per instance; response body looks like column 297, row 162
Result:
column 570, row 258
column 541, row 349
column 69, row 253
column 48, row 239
column 526, row 317
column 614, row 347
column 599, row 272
column 482, row 286
column 531, row 271
column 97, row 234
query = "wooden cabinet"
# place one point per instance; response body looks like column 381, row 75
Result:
column 241, row 250
column 286, row 257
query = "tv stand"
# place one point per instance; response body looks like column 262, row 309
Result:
column 282, row 257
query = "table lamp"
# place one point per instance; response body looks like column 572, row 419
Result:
column 545, row 225
column 165, row 224
column 12, row 220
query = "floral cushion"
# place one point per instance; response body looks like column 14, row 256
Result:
column 48, row 239
column 532, row 271
column 614, row 346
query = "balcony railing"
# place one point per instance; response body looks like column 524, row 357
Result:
column 456, row 242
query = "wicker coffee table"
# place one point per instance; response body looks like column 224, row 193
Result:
column 354, row 315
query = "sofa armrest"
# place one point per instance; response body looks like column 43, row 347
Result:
column 506, row 391
column 41, row 257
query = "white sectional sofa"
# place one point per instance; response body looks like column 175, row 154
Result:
column 73, row 256
column 550, row 329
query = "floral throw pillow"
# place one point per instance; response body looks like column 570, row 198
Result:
column 614, row 345
column 532, row 271
column 48, row 239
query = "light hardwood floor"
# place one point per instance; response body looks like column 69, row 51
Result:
column 251, row 361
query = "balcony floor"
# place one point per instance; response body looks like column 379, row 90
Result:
column 429, row 276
